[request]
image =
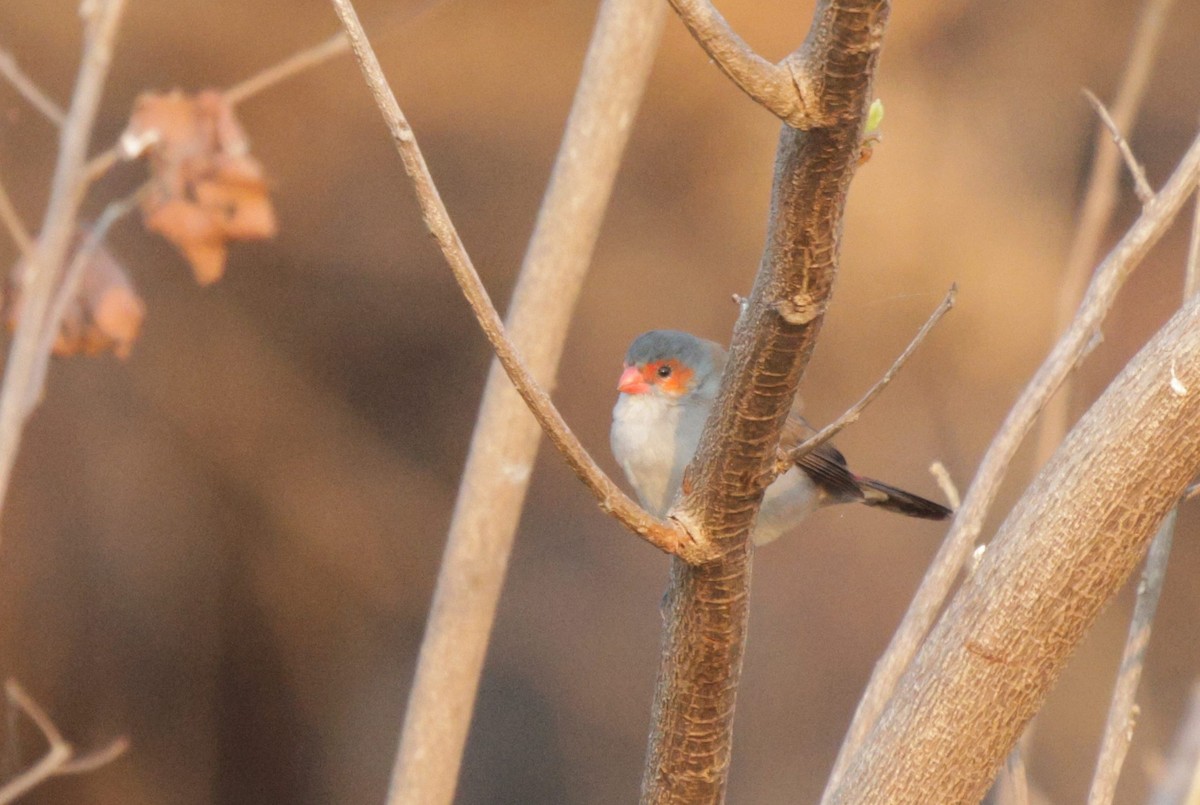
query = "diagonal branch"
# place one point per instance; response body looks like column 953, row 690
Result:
column 1068, row 546
column 851, row 415
column 1141, row 187
column 665, row 535
column 771, row 85
column 968, row 521
column 1099, row 201
column 29, row 89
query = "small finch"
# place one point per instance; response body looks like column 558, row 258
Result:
column 667, row 388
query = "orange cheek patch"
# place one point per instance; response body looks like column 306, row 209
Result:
column 677, row 383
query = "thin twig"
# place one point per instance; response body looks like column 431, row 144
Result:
column 57, row 231
column 968, row 521
column 946, row 484
column 1141, row 187
column 66, row 291
column 664, row 534
column 60, row 758
column 29, row 89
column 15, row 226
column 1099, row 201
column 1191, row 272
column 852, row 414
column 291, row 66
column 1122, row 711
column 771, row 85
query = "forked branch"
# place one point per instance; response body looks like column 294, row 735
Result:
column 773, row 86
column 60, row 758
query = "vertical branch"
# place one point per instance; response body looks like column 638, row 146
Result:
column 58, row 228
column 506, row 438
column 704, row 639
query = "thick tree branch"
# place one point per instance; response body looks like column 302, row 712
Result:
column 1066, row 549
column 771, row 85
column 968, row 521
column 691, row 736
column 665, row 535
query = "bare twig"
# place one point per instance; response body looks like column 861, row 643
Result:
column 1012, row 784
column 13, row 223
column 291, row 66
column 665, row 535
column 1099, row 201
column 773, row 86
column 946, row 484
column 60, row 758
column 1141, row 187
column 852, row 414
column 57, row 231
column 83, row 256
column 1122, row 711
column 29, row 89
column 1191, row 273
column 968, row 522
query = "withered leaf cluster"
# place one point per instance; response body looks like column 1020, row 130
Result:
column 205, row 190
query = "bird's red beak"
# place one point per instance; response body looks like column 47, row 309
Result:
column 632, row 382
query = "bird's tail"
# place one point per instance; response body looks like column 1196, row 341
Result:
column 887, row 497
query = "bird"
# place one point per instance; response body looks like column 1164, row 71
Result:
column 666, row 389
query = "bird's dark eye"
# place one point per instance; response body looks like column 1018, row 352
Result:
column 664, row 371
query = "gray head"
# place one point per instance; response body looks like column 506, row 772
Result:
column 673, row 364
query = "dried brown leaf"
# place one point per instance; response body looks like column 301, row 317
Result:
column 207, row 189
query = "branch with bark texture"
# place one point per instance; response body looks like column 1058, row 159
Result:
column 968, row 520
column 664, row 535
column 704, row 640
column 1068, row 547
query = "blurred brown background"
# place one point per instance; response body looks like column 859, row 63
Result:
column 224, row 548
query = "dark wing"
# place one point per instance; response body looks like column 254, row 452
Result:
column 826, row 466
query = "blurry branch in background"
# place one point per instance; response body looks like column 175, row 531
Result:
column 15, row 226
column 60, row 758
column 29, row 89
column 1122, row 710
column 851, row 414
column 775, row 87
column 968, row 522
column 1178, row 782
column 57, row 231
column 1099, row 201
column 506, row 438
